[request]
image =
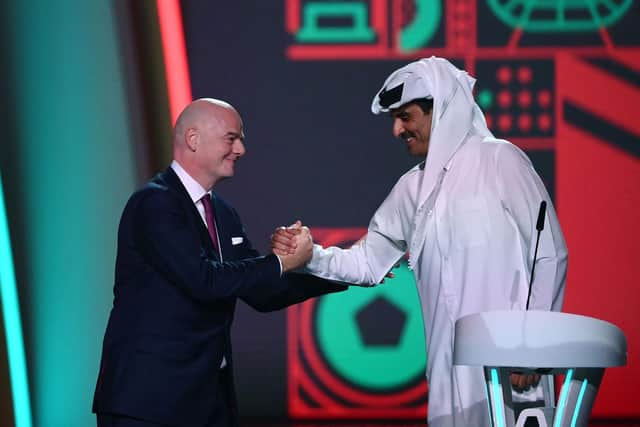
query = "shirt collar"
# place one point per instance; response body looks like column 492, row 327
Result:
column 194, row 189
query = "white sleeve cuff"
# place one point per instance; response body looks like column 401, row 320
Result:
column 280, row 263
column 356, row 265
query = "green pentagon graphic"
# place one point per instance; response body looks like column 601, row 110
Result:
column 377, row 368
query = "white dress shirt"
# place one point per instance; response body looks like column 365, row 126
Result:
column 196, row 192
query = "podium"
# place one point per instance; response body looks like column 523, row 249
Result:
column 545, row 343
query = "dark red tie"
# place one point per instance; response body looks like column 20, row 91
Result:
column 211, row 222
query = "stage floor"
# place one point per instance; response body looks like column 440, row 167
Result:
column 596, row 423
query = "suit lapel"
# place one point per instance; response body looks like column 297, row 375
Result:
column 174, row 183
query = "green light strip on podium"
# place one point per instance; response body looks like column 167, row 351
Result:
column 563, row 399
column 497, row 397
column 11, row 313
column 576, row 411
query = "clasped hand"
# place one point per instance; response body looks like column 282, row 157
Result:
column 523, row 382
column 293, row 245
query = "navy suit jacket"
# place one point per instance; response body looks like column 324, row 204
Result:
column 174, row 300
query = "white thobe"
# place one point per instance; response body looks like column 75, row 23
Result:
column 480, row 233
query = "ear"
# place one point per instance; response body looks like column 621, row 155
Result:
column 192, row 138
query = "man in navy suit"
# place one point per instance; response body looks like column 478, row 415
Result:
column 183, row 260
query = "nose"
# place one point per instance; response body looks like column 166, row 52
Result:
column 238, row 148
column 398, row 128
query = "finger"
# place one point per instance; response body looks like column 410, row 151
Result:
column 529, row 381
column 517, row 381
column 514, row 380
column 279, row 246
column 532, row 381
column 522, row 384
column 390, row 275
column 304, row 235
column 289, row 232
column 279, row 252
column 285, row 245
column 536, row 380
column 307, row 232
column 283, row 236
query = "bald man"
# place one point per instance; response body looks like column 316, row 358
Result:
column 183, row 260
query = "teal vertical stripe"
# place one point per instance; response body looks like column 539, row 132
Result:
column 76, row 170
column 576, row 411
column 563, row 399
column 497, row 397
column 13, row 327
column 486, row 389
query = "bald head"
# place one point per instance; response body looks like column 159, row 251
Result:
column 208, row 139
column 199, row 114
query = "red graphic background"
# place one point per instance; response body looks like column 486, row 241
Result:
column 570, row 97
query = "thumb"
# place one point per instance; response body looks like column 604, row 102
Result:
column 296, row 225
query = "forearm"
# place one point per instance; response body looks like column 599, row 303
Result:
column 294, row 288
column 344, row 265
column 550, row 278
column 365, row 264
column 209, row 280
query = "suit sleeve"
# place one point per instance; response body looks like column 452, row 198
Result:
column 298, row 288
column 169, row 245
column 290, row 289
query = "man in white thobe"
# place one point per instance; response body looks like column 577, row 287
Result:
column 466, row 215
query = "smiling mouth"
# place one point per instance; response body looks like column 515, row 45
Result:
column 410, row 141
column 407, row 136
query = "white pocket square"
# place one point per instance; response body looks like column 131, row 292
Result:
column 236, row 240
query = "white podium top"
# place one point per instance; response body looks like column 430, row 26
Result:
column 537, row 339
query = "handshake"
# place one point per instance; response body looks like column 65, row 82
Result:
column 293, row 245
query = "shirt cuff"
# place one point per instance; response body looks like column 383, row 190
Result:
column 280, row 262
column 313, row 266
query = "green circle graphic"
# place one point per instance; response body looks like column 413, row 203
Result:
column 373, row 367
column 485, row 98
column 421, row 30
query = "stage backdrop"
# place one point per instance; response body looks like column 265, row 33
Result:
column 559, row 79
